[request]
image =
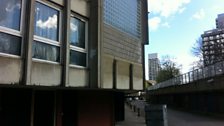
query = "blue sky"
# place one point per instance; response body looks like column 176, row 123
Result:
column 175, row 25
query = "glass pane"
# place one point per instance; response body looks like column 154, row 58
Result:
column 10, row 44
column 77, row 36
column 45, row 51
column 123, row 15
column 46, row 22
column 10, row 11
column 77, row 58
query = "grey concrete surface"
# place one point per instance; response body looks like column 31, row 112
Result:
column 131, row 119
column 175, row 118
column 178, row 118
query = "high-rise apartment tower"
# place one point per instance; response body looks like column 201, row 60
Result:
column 154, row 66
column 213, row 43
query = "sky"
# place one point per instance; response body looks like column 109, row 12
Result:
column 175, row 25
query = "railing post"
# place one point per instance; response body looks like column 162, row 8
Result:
column 222, row 67
column 189, row 76
column 214, row 68
column 197, row 74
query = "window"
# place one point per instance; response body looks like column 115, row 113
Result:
column 46, row 33
column 77, row 33
column 78, row 58
column 78, row 49
column 123, row 15
column 10, row 20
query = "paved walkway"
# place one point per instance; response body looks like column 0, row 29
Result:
column 131, row 119
column 178, row 118
column 175, row 118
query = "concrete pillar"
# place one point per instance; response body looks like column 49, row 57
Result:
column 66, row 42
column 94, row 45
column 27, row 41
column 119, row 106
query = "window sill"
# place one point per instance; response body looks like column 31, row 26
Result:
column 9, row 55
column 44, row 61
column 78, row 67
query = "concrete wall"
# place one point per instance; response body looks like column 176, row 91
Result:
column 81, row 7
column 126, row 50
column 78, row 6
column 10, row 70
column 120, row 44
column 45, row 74
column 123, row 74
column 60, row 2
column 78, row 77
column 123, row 80
column 137, row 77
column 107, row 72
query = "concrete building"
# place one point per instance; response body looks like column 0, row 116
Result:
column 70, row 62
column 220, row 21
column 213, row 43
column 154, row 66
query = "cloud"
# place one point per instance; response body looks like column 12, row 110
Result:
column 11, row 6
column 154, row 23
column 167, row 8
column 181, row 10
column 199, row 15
column 166, row 24
column 186, row 61
column 73, row 27
column 51, row 22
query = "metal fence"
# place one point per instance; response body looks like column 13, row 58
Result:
column 202, row 73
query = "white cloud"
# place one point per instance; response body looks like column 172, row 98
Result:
column 166, row 24
column 12, row 6
column 51, row 22
column 186, row 61
column 167, row 8
column 154, row 23
column 73, row 27
column 199, row 15
column 181, row 10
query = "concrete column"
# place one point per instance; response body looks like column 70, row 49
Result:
column 144, row 31
column 32, row 108
column 66, row 42
column 94, row 56
column 114, row 74
column 131, row 76
column 28, row 32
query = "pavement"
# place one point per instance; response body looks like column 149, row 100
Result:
column 131, row 119
column 175, row 118
column 180, row 118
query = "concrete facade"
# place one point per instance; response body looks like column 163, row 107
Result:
column 213, row 43
column 154, row 66
column 220, row 21
column 55, row 91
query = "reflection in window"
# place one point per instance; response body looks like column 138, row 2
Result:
column 10, row 11
column 45, row 51
column 77, row 36
column 10, row 44
column 46, row 22
column 77, row 58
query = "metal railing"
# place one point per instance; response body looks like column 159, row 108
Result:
column 202, row 73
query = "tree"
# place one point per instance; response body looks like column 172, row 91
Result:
column 197, row 51
column 169, row 69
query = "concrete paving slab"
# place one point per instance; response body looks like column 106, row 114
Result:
column 131, row 119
